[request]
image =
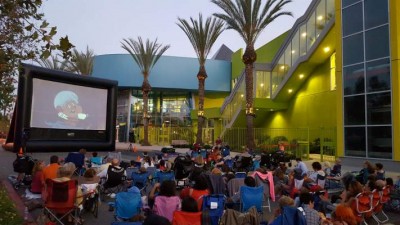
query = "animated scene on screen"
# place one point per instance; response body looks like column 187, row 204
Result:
column 66, row 106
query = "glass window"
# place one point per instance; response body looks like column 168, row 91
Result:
column 320, row 18
column 348, row 2
column 263, row 84
column 352, row 19
column 375, row 12
column 377, row 43
column 311, row 31
column 330, row 9
column 275, row 81
column 353, row 79
column 281, row 69
column 288, row 58
column 380, row 142
column 354, row 141
column 378, row 75
column 303, row 40
column 295, row 48
column 353, row 49
column 354, row 110
column 379, row 108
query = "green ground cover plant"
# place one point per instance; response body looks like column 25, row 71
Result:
column 8, row 215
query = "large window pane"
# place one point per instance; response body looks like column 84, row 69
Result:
column 353, row 49
column 378, row 75
column 377, row 43
column 380, row 142
column 288, row 58
column 320, row 18
column 348, row 2
column 379, row 108
column 354, row 110
column 311, row 31
column 353, row 79
column 330, row 7
column 376, row 13
column 354, row 141
column 303, row 40
column 263, row 84
column 295, row 48
column 352, row 19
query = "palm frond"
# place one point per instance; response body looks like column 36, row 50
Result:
column 247, row 18
column 81, row 62
column 202, row 35
column 146, row 54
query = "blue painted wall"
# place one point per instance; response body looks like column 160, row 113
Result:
column 169, row 72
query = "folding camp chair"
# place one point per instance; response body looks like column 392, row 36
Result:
column 181, row 217
column 140, row 180
column 60, row 199
column 215, row 205
column 165, row 206
column 127, row 205
column 161, row 176
column 113, row 155
column 251, row 196
column 240, row 175
column 79, row 160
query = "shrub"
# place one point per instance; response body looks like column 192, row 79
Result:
column 8, row 215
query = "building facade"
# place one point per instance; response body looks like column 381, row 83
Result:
column 330, row 86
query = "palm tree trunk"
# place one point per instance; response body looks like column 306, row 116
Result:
column 201, row 76
column 249, row 57
column 146, row 88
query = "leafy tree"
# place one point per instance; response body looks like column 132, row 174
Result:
column 24, row 35
column 202, row 36
column 249, row 18
column 146, row 56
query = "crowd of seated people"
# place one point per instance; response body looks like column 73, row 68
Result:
column 295, row 187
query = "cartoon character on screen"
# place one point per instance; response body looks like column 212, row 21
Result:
column 68, row 108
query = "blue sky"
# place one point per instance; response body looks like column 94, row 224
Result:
column 102, row 24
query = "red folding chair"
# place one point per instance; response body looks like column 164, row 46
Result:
column 187, row 218
column 60, row 201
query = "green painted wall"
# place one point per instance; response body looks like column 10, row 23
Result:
column 313, row 106
column 266, row 53
column 237, row 64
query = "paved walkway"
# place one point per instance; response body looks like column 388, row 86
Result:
column 6, row 159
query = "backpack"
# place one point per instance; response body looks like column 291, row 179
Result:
column 293, row 216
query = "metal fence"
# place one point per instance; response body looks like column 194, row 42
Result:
column 306, row 143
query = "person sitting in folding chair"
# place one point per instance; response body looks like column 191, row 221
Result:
column 114, row 178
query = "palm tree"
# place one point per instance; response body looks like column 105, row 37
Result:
column 245, row 17
column 146, row 56
column 81, row 62
column 202, row 37
column 52, row 63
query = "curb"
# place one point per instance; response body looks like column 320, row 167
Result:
column 19, row 205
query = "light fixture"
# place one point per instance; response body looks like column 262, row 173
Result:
column 293, row 51
column 327, row 49
column 262, row 85
column 320, row 17
column 301, row 76
column 290, row 90
column 304, row 34
column 257, row 109
column 282, row 67
column 271, row 110
column 242, row 95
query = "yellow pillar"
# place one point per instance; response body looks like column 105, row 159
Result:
column 394, row 19
column 339, row 86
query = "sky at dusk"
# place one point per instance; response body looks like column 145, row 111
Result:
column 103, row 24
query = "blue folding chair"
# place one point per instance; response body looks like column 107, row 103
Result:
column 251, row 196
column 203, row 153
column 127, row 205
column 215, row 205
column 96, row 160
column 225, row 151
column 161, row 176
column 140, row 180
column 78, row 159
column 240, row 175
